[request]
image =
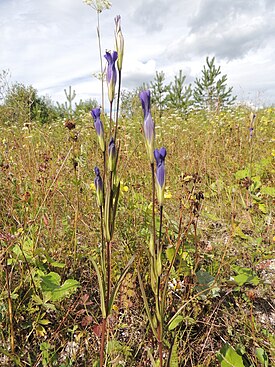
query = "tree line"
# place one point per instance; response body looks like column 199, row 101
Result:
column 209, row 92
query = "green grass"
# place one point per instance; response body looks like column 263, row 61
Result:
column 220, row 181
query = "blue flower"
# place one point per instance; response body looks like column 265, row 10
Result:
column 160, row 173
column 149, row 126
column 98, row 186
column 111, row 75
column 98, row 127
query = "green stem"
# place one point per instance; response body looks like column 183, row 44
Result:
column 103, row 261
column 101, row 63
column 153, row 208
column 111, row 110
column 160, row 344
column 109, row 268
column 102, row 343
column 118, row 100
column 76, row 213
column 160, row 226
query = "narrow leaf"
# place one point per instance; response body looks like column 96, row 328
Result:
column 101, row 286
column 175, row 322
column 146, row 305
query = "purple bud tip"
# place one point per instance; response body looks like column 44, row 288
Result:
column 117, row 19
column 95, row 113
column 111, row 58
column 145, row 101
column 97, row 171
column 160, row 155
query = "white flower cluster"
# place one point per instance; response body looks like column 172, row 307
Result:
column 98, row 5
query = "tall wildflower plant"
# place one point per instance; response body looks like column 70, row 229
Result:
column 107, row 193
column 159, row 274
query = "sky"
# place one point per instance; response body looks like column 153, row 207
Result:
column 52, row 44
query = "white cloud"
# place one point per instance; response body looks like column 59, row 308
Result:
column 52, row 44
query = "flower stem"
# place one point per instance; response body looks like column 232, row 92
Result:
column 103, row 262
column 109, row 268
column 102, row 342
column 118, row 101
column 153, row 207
column 111, row 110
column 160, row 226
column 160, row 344
column 101, row 63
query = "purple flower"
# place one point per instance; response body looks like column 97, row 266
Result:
column 112, row 153
column 149, row 126
column 98, row 186
column 98, row 127
column 111, row 74
column 160, row 173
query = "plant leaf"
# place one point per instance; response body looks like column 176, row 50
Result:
column 262, row 356
column 228, row 357
column 101, row 285
column 146, row 305
column 68, row 287
column 50, row 282
column 174, row 360
column 175, row 322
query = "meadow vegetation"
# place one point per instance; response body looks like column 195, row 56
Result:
column 219, row 182
column 201, row 293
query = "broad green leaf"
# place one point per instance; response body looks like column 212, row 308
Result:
column 245, row 276
column 25, row 251
column 206, row 284
column 50, row 282
column 228, row 357
column 262, row 356
column 170, row 251
column 267, row 190
column 69, row 287
column 262, row 208
column 50, row 285
column 241, row 174
column 175, row 322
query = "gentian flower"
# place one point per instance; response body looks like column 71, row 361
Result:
column 112, row 153
column 148, row 127
column 98, row 127
column 119, row 42
column 99, row 187
column 160, row 173
column 111, row 75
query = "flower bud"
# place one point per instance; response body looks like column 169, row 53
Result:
column 99, row 187
column 119, row 42
column 112, row 153
column 98, row 127
column 111, row 74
